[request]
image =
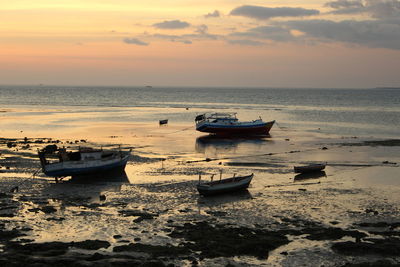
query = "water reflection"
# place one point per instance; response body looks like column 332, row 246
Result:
column 309, row 175
column 228, row 198
column 119, row 176
column 219, row 144
column 88, row 188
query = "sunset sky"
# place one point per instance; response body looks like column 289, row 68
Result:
column 343, row 43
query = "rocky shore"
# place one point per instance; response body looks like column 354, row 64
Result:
column 323, row 221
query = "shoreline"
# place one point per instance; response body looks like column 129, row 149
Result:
column 153, row 217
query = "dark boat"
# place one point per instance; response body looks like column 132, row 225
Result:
column 228, row 124
column 162, row 122
column 224, row 185
column 310, row 168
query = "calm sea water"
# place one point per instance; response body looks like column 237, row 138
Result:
column 360, row 112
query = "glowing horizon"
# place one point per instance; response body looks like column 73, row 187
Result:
column 223, row 43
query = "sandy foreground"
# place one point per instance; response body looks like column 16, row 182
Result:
column 152, row 214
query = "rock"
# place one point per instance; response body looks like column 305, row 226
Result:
column 8, row 235
column 137, row 213
column 388, row 162
column 5, row 195
column 153, row 264
column 379, row 224
column 91, row 244
column 48, row 209
column 371, row 211
column 380, row 247
column 379, row 263
column 97, row 256
column 11, row 144
column 34, row 210
column 55, row 219
column 45, row 249
column 331, row 233
column 138, row 220
column 50, row 149
column 156, row 251
column 223, row 241
column 216, row 213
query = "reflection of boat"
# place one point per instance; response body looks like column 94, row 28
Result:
column 310, row 168
column 84, row 161
column 224, row 185
column 163, row 122
column 232, row 198
column 309, row 175
column 111, row 176
column 228, row 124
column 225, row 143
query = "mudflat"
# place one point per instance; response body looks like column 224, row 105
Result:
column 152, row 215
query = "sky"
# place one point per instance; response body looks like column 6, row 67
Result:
column 287, row 43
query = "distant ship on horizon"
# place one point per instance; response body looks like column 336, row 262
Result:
column 388, row 87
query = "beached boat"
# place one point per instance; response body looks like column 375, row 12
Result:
column 228, row 124
column 163, row 122
column 58, row 162
column 224, row 185
column 310, row 168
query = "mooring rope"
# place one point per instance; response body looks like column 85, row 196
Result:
column 253, row 155
column 281, row 127
column 16, row 187
column 181, row 130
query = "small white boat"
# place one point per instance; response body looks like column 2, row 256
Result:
column 57, row 162
column 309, row 168
column 228, row 124
column 224, row 185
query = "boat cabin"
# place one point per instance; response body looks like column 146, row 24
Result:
column 62, row 155
column 218, row 117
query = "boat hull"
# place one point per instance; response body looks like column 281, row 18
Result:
column 215, row 188
column 63, row 170
column 310, row 168
column 262, row 128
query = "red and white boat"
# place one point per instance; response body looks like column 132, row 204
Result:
column 228, row 124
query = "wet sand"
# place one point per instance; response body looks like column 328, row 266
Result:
column 153, row 216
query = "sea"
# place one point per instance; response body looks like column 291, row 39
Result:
column 346, row 112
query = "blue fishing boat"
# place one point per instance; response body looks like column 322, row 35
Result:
column 58, row 162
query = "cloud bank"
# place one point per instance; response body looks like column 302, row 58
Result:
column 371, row 33
column 135, row 41
column 214, row 14
column 381, row 30
column 265, row 13
column 171, row 24
column 376, row 8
